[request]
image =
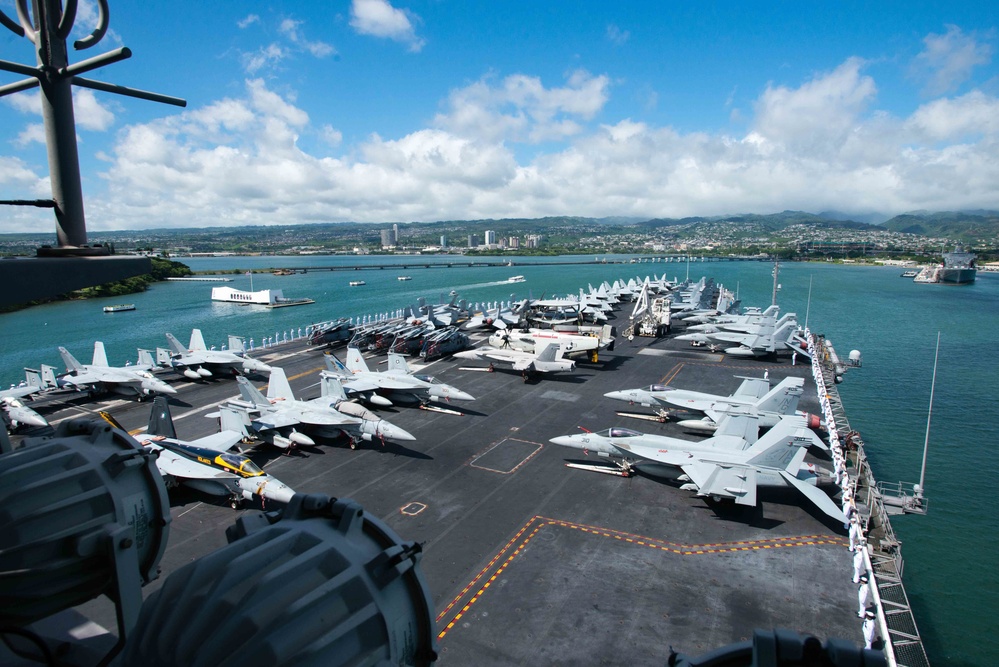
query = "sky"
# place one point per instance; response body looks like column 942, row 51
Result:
column 424, row 110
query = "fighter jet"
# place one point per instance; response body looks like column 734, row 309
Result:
column 765, row 341
column 206, row 464
column 196, row 361
column 397, row 384
column 751, row 390
column 15, row 413
column 281, row 416
column 125, row 380
column 769, row 409
column 549, row 360
column 720, row 473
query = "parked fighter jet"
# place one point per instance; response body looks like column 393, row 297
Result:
column 13, row 410
column 750, row 391
column 397, row 384
column 779, row 402
column 775, row 460
column 765, row 341
column 196, row 360
column 281, row 416
column 206, row 464
column 125, row 380
column 549, row 360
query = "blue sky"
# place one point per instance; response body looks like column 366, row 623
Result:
column 378, row 111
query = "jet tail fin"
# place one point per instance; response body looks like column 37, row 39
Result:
column 160, row 421
column 33, row 377
column 197, row 341
column 236, row 344
column 814, row 494
column 397, row 363
column 251, row 393
column 335, row 365
column 146, row 358
column 233, row 419
column 71, row 363
column 331, row 387
column 163, row 356
column 783, row 447
column 100, row 355
column 355, row 361
column 175, row 345
column 278, row 386
column 783, row 399
column 49, row 376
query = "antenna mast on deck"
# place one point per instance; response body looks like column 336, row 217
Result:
column 56, row 77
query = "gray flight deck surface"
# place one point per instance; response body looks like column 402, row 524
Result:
column 532, row 562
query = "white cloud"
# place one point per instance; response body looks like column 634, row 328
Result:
column 822, row 111
column 617, row 35
column 812, row 147
column 33, row 133
column 290, row 29
column 948, row 59
column 520, row 108
column 973, row 115
column 265, row 56
column 90, row 113
column 379, row 18
column 249, row 20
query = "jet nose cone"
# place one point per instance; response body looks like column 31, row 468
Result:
column 277, row 491
column 457, row 395
column 164, row 388
column 393, row 432
column 33, row 420
column 618, row 395
column 566, row 441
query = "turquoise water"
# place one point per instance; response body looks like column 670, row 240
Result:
column 950, row 554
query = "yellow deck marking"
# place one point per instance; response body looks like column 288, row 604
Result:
column 539, row 522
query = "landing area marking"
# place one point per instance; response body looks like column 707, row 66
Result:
column 506, row 456
column 536, row 523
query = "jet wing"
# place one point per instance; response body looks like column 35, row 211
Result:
column 268, row 421
column 222, row 441
column 735, row 482
column 175, row 465
column 358, row 384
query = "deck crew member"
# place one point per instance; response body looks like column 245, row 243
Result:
column 859, row 566
column 863, row 593
column 870, row 629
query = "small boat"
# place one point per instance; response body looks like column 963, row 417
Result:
column 404, row 278
column 118, row 308
column 516, row 279
column 911, row 273
column 356, row 283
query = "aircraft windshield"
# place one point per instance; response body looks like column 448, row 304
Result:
column 243, row 465
column 660, row 387
column 618, row 432
column 426, row 378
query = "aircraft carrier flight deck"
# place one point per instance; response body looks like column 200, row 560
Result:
column 530, row 561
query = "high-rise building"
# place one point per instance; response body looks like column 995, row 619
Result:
column 395, row 234
column 387, row 240
column 443, row 241
column 473, row 241
column 490, row 237
column 513, row 242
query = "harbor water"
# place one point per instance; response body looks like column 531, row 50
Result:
column 950, row 554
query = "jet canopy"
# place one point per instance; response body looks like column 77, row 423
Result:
column 240, row 464
column 618, row 432
column 661, row 387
